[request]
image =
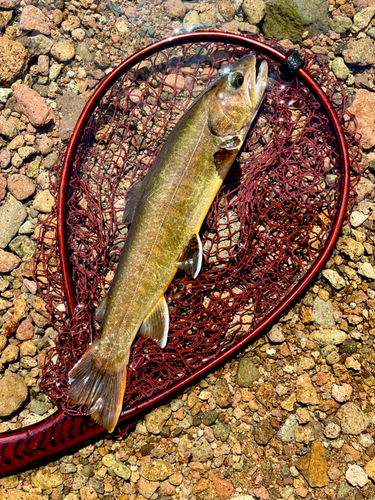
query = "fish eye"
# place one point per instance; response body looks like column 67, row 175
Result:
column 236, row 80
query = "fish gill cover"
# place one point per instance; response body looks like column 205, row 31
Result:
column 267, row 226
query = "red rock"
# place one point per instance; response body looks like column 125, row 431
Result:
column 25, row 331
column 45, row 144
column 261, row 493
column 224, row 488
column 363, row 108
column 301, row 492
column 174, row 8
column 5, row 158
column 32, row 19
column 8, row 4
column 8, row 261
column 21, row 186
column 3, row 187
column 32, row 105
column 320, row 379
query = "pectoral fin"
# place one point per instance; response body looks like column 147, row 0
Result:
column 230, row 143
column 156, row 325
column 132, row 196
column 191, row 259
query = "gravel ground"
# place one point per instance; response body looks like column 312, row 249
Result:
column 292, row 416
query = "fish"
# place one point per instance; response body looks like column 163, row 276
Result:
column 165, row 212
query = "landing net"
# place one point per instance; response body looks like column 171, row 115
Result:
column 267, row 226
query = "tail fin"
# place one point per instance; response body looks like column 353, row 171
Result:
column 102, row 392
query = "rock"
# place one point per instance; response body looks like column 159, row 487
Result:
column 175, row 9
column 306, row 393
column 5, row 18
column 370, row 469
column 254, row 10
column 339, row 68
column 329, row 336
column 71, row 106
column 366, row 270
column 39, row 407
column 363, row 17
column 32, row 105
column 23, row 246
column 276, row 335
column 191, row 20
column 44, row 479
column 45, row 144
column 201, row 451
column 37, row 45
column 63, row 51
column 8, row 128
column 332, row 430
column 226, row 9
column 120, row 469
column 12, row 214
column 32, row 19
column 13, row 393
column 313, row 466
column 362, row 105
column 221, row 431
column 5, row 94
column 248, row 373
column 17, row 143
column 356, row 476
column 291, row 18
column 222, row 394
column 286, row 433
column 84, row 53
column 349, row 246
column 8, row 261
column 323, row 313
column 13, row 61
column 352, row 419
column 360, row 51
column 341, row 24
column 3, row 187
column 342, row 393
column 156, row 419
column 157, row 470
column 357, row 219
column 5, row 158
column 20, row 186
column 209, row 417
column 334, row 278
column 364, row 188
column 365, row 440
column 147, row 488
column 44, row 202
column 263, row 432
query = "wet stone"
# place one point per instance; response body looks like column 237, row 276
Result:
column 360, row 51
column 39, row 407
column 120, row 469
column 340, row 69
column 44, row 479
column 36, row 45
column 33, row 19
column 33, row 106
column 248, row 373
column 71, row 107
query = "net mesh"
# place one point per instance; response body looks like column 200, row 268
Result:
column 267, row 226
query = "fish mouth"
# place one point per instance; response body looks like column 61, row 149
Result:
column 257, row 83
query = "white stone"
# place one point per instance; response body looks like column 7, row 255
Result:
column 357, row 219
column 334, row 278
column 342, row 393
column 356, row 476
column 366, row 270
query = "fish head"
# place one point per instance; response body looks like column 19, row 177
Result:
column 237, row 96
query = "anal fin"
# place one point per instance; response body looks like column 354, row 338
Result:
column 156, row 324
column 192, row 257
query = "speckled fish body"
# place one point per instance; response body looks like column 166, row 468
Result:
column 166, row 211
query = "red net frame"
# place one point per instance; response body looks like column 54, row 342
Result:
column 266, row 236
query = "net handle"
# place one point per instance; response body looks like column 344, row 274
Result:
column 202, row 36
